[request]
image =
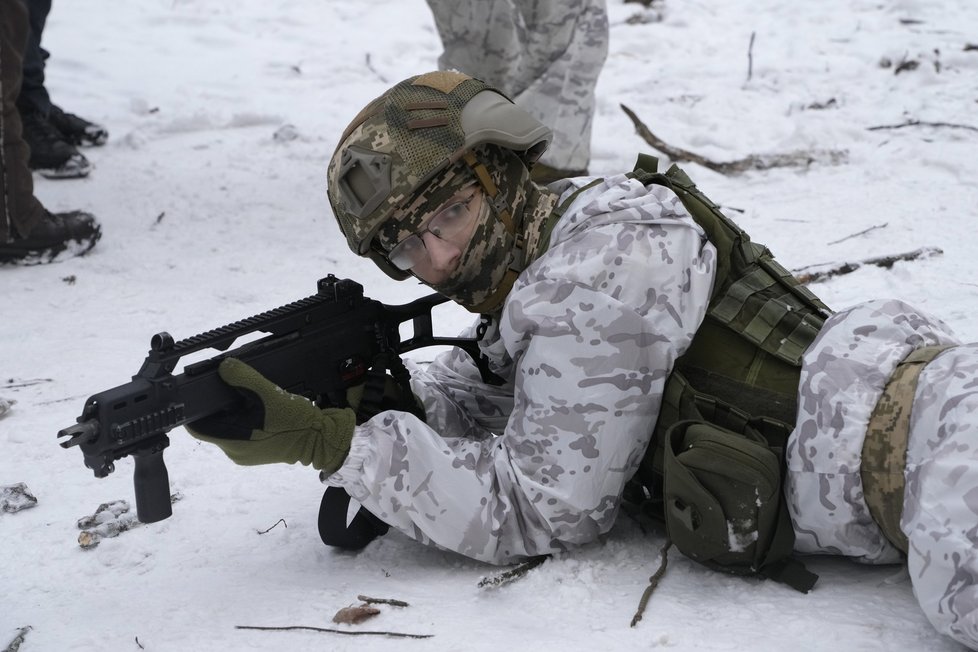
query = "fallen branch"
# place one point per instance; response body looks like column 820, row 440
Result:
column 513, row 574
column 15, row 383
column 15, row 644
column 653, row 582
column 750, row 56
column 281, row 520
column 752, row 162
column 923, row 123
column 809, row 274
column 856, row 235
column 329, row 630
column 391, row 602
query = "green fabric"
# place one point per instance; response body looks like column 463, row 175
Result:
column 294, row 429
column 738, row 380
column 723, row 500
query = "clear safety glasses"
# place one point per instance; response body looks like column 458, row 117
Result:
column 448, row 223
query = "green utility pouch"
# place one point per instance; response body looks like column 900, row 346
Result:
column 723, row 502
column 713, row 471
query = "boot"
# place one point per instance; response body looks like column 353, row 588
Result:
column 56, row 237
column 76, row 130
column 51, row 155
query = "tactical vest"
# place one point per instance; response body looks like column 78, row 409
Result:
column 714, row 470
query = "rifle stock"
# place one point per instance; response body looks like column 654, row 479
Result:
column 316, row 347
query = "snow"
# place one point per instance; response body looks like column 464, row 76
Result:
column 208, row 218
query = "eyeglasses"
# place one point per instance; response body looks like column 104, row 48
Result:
column 449, row 222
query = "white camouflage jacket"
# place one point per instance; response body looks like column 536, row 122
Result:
column 585, row 342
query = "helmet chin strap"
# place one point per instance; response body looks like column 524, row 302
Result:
column 503, row 213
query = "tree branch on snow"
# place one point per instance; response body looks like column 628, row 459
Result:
column 329, row 630
column 653, row 582
column 811, row 274
column 390, row 601
column 750, row 56
column 513, row 574
column 923, row 123
column 856, row 235
column 281, row 520
column 15, row 644
column 801, row 158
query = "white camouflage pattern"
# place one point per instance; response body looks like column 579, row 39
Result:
column 843, row 376
column 585, row 342
column 546, row 55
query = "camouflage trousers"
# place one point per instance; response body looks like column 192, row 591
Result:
column 843, row 377
column 546, row 55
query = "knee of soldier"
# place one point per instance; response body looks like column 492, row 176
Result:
column 345, row 524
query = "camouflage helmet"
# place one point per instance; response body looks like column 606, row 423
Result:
column 405, row 138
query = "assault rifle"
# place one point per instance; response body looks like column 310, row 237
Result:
column 316, row 347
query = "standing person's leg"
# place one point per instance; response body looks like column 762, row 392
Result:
column 46, row 128
column 545, row 54
column 567, row 44
column 19, row 209
column 29, row 234
column 33, row 95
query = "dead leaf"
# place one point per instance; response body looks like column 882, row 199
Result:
column 355, row 615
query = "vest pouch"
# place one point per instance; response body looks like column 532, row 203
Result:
column 722, row 495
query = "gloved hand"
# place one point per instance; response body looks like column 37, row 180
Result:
column 275, row 426
column 392, row 397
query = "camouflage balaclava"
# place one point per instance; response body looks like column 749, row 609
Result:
column 498, row 252
column 418, row 144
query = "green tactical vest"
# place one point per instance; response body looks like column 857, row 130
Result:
column 714, row 470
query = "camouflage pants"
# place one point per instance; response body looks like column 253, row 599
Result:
column 545, row 54
column 842, row 379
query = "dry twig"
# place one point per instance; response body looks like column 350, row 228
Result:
column 512, row 574
column 856, row 235
column 811, row 274
column 390, row 601
column 281, row 520
column 923, row 123
column 653, row 582
column 752, row 162
column 750, row 56
column 15, row 644
column 329, row 630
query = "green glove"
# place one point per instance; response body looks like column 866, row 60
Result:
column 391, row 397
column 275, row 426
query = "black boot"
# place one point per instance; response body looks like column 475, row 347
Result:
column 55, row 237
column 51, row 155
column 336, row 528
column 76, row 130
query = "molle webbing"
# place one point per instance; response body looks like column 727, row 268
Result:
column 747, row 352
column 884, row 455
column 753, row 295
column 739, row 376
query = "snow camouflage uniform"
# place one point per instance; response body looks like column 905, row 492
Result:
column 585, row 341
column 545, row 54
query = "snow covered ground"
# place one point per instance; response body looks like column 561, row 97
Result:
column 208, row 218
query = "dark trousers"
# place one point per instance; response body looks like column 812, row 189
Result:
column 19, row 209
column 33, row 96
